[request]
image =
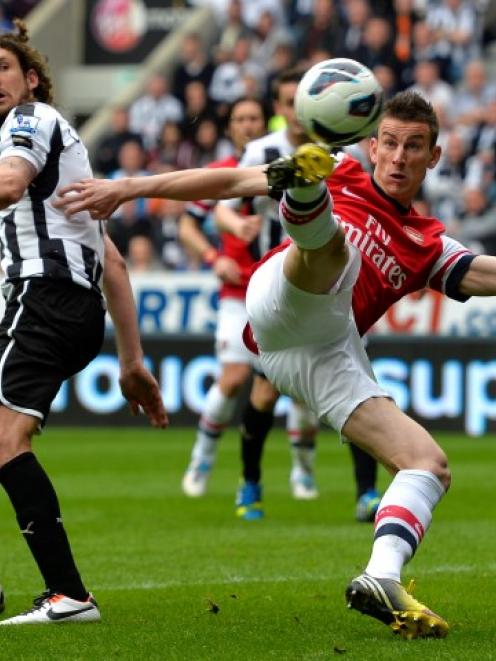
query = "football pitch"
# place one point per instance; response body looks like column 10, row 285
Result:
column 182, row 579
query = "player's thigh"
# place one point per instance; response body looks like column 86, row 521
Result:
column 283, row 316
column 379, row 427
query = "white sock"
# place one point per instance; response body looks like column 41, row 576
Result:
column 302, row 426
column 216, row 415
column 402, row 520
column 306, row 216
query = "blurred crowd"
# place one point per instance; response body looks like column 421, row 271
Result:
column 438, row 47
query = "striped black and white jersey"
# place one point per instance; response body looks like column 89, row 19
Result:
column 259, row 151
column 36, row 239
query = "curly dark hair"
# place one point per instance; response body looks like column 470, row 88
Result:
column 29, row 58
column 410, row 106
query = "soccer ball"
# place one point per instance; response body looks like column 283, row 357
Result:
column 338, row 102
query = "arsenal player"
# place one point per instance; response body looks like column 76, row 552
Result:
column 357, row 247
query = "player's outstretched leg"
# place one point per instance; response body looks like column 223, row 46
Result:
column 302, row 427
column 404, row 515
column 217, row 414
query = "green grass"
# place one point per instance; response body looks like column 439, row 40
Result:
column 158, row 561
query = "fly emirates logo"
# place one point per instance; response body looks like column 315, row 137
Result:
column 373, row 243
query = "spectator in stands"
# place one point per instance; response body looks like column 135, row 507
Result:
column 141, row 255
column 228, row 82
column 485, row 148
column 173, row 254
column 172, row 152
column 403, row 22
column 267, row 35
column 282, row 59
column 424, row 47
column 454, row 23
column 149, row 112
column 107, row 151
column 232, row 30
column 356, row 14
column 208, row 145
column 387, row 79
column 251, row 10
column 133, row 218
column 473, row 96
column 444, row 185
column 477, row 223
column 195, row 66
column 196, row 108
column 321, row 30
column 378, row 46
column 429, row 84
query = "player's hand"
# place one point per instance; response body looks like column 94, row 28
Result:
column 308, row 165
column 227, row 270
column 141, row 390
column 101, row 197
column 247, row 228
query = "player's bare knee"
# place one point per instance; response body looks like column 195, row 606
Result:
column 16, row 431
column 12, row 445
column 441, row 469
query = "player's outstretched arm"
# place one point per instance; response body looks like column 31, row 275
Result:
column 102, row 196
column 480, row 278
column 138, row 385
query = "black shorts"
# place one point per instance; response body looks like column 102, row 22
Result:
column 51, row 330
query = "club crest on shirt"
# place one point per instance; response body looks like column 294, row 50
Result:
column 25, row 124
column 414, row 235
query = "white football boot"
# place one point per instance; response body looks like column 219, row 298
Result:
column 195, row 479
column 50, row 608
column 303, row 485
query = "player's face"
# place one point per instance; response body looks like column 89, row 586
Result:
column 15, row 86
column 284, row 106
column 247, row 123
column 402, row 154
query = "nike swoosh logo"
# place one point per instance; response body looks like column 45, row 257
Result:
column 53, row 615
column 346, row 191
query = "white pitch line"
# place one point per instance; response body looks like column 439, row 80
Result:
column 236, row 580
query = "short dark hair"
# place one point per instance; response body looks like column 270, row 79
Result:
column 293, row 75
column 29, row 58
column 247, row 99
column 410, row 106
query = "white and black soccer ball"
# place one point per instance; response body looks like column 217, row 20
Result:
column 338, row 102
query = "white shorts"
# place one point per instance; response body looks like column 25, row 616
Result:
column 229, row 345
column 309, row 345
